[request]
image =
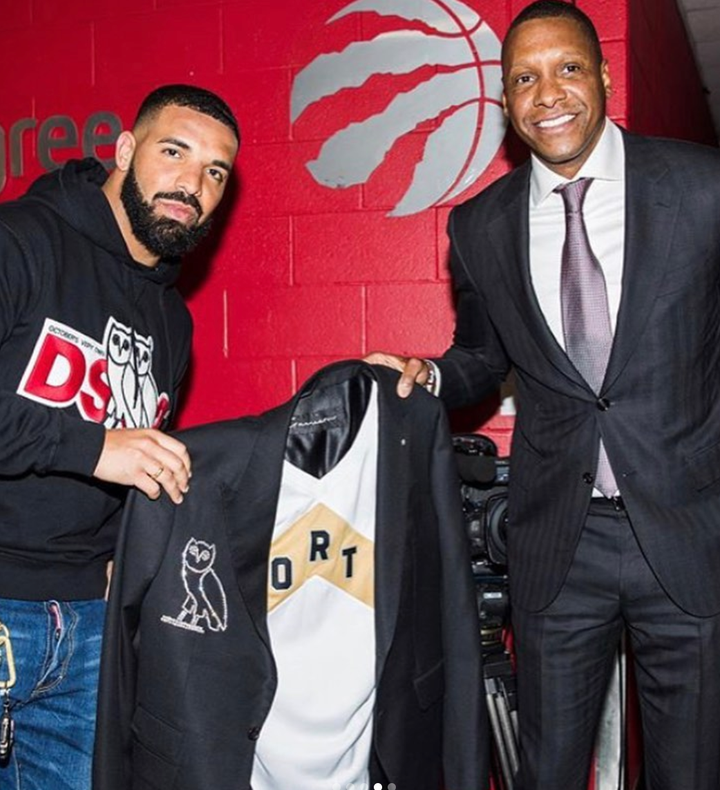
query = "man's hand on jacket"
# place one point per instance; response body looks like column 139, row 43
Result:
column 147, row 459
column 413, row 370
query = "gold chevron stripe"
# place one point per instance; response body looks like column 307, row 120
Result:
column 321, row 543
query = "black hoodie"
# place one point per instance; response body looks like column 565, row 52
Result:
column 89, row 339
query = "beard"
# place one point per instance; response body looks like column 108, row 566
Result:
column 162, row 236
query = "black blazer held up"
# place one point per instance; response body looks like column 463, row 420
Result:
column 181, row 710
column 658, row 411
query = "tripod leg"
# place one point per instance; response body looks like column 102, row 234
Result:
column 499, row 740
column 508, row 731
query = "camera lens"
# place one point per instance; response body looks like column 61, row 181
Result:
column 496, row 533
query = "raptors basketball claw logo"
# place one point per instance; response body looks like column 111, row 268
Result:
column 110, row 382
column 453, row 58
column 205, row 600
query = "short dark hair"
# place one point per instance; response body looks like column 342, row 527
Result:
column 554, row 9
column 190, row 96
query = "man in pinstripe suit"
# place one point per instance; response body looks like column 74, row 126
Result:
column 645, row 556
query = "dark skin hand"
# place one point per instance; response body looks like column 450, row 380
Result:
column 413, row 370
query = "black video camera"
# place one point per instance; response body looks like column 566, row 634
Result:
column 484, row 481
column 483, row 485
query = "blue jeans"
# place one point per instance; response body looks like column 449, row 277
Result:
column 57, row 657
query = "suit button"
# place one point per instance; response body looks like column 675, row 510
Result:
column 588, row 478
column 254, row 733
column 603, row 404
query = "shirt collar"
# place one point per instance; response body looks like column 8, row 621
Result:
column 606, row 162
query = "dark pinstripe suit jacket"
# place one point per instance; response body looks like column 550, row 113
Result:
column 659, row 408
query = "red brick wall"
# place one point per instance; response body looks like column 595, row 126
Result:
column 302, row 274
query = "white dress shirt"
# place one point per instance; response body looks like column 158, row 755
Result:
column 604, row 212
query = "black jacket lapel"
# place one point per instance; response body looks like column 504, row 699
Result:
column 250, row 512
column 651, row 211
column 509, row 234
column 392, row 511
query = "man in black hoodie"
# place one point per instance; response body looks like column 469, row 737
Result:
column 94, row 340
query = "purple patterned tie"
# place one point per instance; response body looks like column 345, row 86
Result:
column 585, row 313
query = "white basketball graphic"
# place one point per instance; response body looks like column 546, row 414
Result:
column 462, row 95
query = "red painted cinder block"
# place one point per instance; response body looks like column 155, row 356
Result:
column 229, row 388
column 46, row 12
column 276, row 181
column 410, row 319
column 306, row 366
column 222, row 263
column 17, row 14
column 158, row 48
column 179, row 4
column 276, row 35
column 317, row 35
column 364, row 246
column 260, row 99
column 80, row 106
column 42, row 56
column 289, row 322
column 244, row 37
column 14, row 108
column 610, row 17
column 209, row 309
column 516, row 6
column 254, row 252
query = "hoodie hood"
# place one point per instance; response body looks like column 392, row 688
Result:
column 74, row 192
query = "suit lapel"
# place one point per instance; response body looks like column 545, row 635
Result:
column 651, row 210
column 250, row 511
column 392, row 522
column 509, row 234
column 650, row 216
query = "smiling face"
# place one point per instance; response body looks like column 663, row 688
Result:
column 555, row 91
column 173, row 169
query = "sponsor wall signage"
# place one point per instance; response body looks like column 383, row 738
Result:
column 53, row 134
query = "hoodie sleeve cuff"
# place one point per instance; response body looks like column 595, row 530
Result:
column 79, row 446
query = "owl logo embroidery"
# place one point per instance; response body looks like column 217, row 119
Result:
column 205, row 604
column 133, row 392
column 147, row 390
